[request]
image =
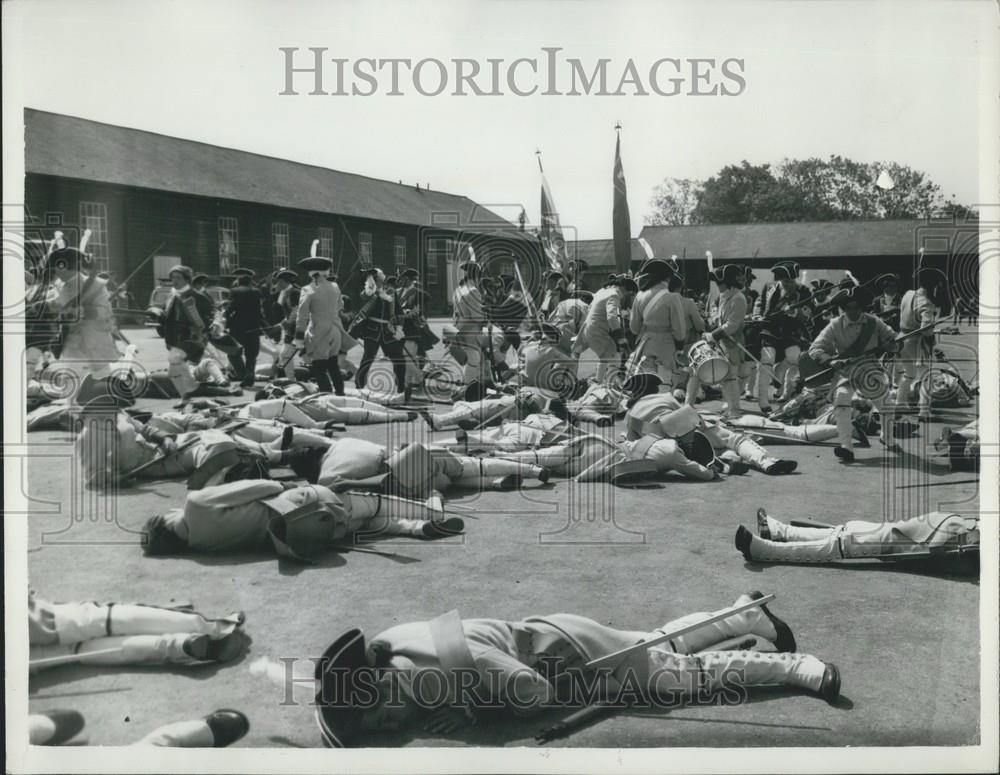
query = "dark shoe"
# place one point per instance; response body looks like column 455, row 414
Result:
column 543, row 475
column 443, row 529
column 844, row 454
column 468, row 425
column 737, row 468
column 227, row 726
column 68, row 724
column 763, row 530
column 462, row 436
column 829, row 690
column 780, row 467
column 286, row 437
column 743, row 540
column 765, row 411
column 205, row 648
column 508, row 483
column 784, row 640
column 427, row 418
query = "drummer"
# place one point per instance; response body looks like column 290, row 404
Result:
column 725, row 326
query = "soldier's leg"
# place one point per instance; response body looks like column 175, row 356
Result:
column 251, row 350
column 749, row 450
column 475, row 362
column 751, row 622
column 319, row 374
column 75, row 622
column 279, row 409
column 474, row 468
column 178, row 648
column 792, row 355
column 765, row 373
column 673, row 675
column 332, row 366
column 383, row 515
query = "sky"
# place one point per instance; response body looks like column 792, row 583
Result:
column 873, row 81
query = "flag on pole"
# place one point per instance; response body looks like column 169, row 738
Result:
column 550, row 231
column 621, row 223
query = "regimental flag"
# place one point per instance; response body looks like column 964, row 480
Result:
column 550, row 231
column 621, row 222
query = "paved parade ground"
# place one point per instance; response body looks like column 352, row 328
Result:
column 905, row 640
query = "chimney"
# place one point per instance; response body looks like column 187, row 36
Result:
column 418, row 186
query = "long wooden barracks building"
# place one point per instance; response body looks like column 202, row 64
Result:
column 153, row 201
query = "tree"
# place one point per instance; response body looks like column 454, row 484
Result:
column 811, row 189
column 673, row 202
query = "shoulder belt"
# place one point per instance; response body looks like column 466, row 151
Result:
column 652, row 302
column 452, row 649
column 858, row 345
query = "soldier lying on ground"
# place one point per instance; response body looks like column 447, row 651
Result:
column 515, row 666
column 935, row 534
column 472, row 415
column 143, row 634
column 323, row 409
column 414, row 471
column 112, row 445
column 652, row 413
column 290, row 520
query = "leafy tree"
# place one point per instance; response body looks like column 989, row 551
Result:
column 673, row 202
column 812, row 189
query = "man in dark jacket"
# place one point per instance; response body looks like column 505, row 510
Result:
column 246, row 321
column 184, row 327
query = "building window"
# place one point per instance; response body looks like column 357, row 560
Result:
column 438, row 250
column 94, row 216
column 229, row 245
column 326, row 243
column 279, row 244
column 400, row 251
column 365, row 248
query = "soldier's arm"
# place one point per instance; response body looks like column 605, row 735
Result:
column 824, row 348
column 302, row 315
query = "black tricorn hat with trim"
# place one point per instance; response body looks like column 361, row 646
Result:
column 287, row 275
column 728, row 274
column 856, row 294
column 337, row 710
column 642, row 384
column 315, row 264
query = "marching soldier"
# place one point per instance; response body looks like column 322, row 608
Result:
column 245, row 319
column 916, row 310
column 292, row 521
column 415, row 329
column 852, row 341
column 783, row 309
column 518, row 664
column 318, row 330
column 470, row 317
column 603, row 329
column 658, row 321
column 937, row 535
column 726, row 321
column 185, row 326
column 375, row 326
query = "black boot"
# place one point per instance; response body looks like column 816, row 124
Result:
column 333, row 369
column 318, row 372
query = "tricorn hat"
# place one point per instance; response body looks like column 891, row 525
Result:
column 701, row 450
column 729, row 274
column 315, row 264
column 287, row 275
column 410, row 273
column 584, row 296
column 889, row 278
column 337, row 672
column 627, row 283
column 199, row 278
column 244, row 272
column 785, row 270
column 61, row 256
column 856, row 294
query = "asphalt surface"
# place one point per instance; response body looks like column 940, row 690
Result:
column 905, row 638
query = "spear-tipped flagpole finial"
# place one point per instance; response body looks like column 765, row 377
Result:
column 618, row 126
column 538, row 155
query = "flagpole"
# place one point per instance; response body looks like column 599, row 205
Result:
column 538, row 156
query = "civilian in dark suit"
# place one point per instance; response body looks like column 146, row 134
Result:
column 246, row 320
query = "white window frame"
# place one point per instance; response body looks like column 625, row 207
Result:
column 229, row 233
column 326, row 242
column 94, row 216
column 365, row 248
column 399, row 251
column 280, row 242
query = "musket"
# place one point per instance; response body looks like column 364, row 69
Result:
column 160, row 458
column 828, row 372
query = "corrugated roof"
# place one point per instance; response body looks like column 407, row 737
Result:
column 809, row 239
column 72, row 147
